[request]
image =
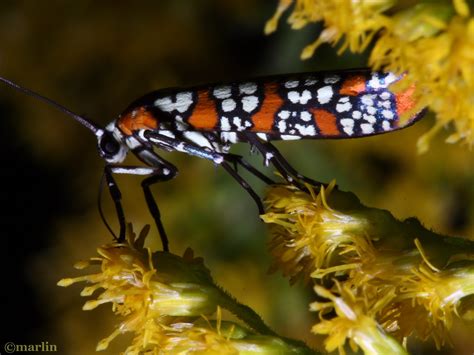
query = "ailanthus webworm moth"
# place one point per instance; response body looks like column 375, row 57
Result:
column 206, row 121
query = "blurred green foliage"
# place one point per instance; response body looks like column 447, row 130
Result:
column 95, row 58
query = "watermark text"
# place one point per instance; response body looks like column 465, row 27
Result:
column 44, row 346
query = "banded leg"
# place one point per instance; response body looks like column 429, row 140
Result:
column 271, row 154
column 217, row 158
column 183, row 146
column 157, row 173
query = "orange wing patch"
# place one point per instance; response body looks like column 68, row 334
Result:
column 264, row 118
column 136, row 120
column 204, row 114
column 405, row 101
column 326, row 122
column 353, row 85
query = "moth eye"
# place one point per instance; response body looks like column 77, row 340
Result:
column 109, row 145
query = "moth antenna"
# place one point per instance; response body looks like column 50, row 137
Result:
column 82, row 120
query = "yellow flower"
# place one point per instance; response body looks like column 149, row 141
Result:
column 182, row 337
column 354, row 322
column 373, row 263
column 433, row 41
column 145, row 287
column 307, row 233
column 162, row 298
column 427, row 302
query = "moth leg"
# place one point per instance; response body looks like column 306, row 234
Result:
column 163, row 171
column 271, row 154
column 245, row 185
column 117, row 199
column 205, row 153
column 156, row 174
column 153, row 207
column 238, row 159
column 180, row 145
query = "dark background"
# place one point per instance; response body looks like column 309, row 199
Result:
column 95, row 58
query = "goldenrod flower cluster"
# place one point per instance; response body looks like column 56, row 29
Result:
column 383, row 280
column 165, row 301
column 433, row 41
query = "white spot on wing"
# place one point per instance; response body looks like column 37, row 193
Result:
column 306, row 116
column 222, row 92
column 386, row 125
column 291, row 84
column 248, row 88
column 371, row 110
column 370, row 118
column 348, row 126
column 347, row 122
column 357, row 115
column 310, row 81
column 346, row 106
column 262, row 136
column 164, row 104
column 367, row 99
column 228, row 105
column 325, row 94
column 182, row 103
column 282, row 126
column 238, row 123
column 387, row 114
column 348, row 130
column 367, row 128
column 332, row 79
column 284, row 114
column 303, row 98
column 305, row 130
column 249, row 103
column 225, row 125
